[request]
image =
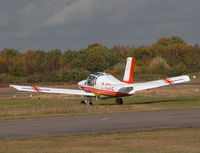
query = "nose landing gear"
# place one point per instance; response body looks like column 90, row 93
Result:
column 86, row 101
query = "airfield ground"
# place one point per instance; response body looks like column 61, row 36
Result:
column 166, row 140
column 42, row 105
column 184, row 140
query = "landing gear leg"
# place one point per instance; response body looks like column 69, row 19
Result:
column 119, row 101
column 87, row 101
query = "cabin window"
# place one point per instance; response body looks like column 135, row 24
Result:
column 91, row 80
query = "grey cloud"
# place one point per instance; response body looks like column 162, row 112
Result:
column 78, row 12
column 74, row 24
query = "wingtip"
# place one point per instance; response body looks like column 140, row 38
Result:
column 187, row 78
column 13, row 86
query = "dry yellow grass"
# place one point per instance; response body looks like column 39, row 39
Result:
column 67, row 109
column 23, row 106
column 185, row 140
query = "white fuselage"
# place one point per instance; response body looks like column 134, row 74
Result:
column 105, row 85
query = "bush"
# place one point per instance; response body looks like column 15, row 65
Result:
column 159, row 65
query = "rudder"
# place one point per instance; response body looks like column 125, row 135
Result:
column 129, row 70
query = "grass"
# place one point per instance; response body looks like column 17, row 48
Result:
column 43, row 105
column 34, row 107
column 163, row 141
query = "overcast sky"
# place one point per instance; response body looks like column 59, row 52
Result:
column 74, row 24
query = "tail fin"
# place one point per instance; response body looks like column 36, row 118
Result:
column 129, row 70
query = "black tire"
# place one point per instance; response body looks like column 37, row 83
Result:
column 90, row 103
column 119, row 101
column 82, row 102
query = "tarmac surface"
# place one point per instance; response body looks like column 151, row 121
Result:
column 98, row 123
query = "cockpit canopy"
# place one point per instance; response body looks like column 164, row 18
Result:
column 106, row 78
column 91, row 80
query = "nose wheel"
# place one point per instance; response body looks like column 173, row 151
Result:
column 119, row 101
column 87, row 101
column 82, row 102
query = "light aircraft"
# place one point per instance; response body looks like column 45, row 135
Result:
column 104, row 85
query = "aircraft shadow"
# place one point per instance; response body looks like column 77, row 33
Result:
column 152, row 102
column 159, row 101
column 166, row 100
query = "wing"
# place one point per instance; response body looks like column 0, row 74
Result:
column 160, row 83
column 52, row 90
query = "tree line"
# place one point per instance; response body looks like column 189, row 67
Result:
column 168, row 56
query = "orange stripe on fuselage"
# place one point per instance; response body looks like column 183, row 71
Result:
column 104, row 92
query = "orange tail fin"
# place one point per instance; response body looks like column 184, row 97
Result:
column 129, row 70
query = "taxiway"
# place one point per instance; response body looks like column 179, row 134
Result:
column 98, row 123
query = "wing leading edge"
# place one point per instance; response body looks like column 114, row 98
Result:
column 160, row 83
column 51, row 90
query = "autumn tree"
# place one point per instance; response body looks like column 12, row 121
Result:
column 166, row 41
column 158, row 65
column 39, row 61
column 120, row 52
column 53, row 60
column 98, row 58
column 27, row 61
column 169, row 56
column 8, row 59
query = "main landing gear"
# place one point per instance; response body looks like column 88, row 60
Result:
column 87, row 101
column 119, row 101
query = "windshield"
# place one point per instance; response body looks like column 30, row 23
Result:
column 91, row 80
